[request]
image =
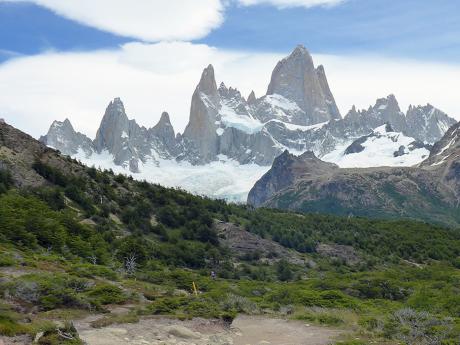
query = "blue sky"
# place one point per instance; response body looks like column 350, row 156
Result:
column 422, row 29
column 68, row 58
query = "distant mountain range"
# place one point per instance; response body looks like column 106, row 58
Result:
column 298, row 113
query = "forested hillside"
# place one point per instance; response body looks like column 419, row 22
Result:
column 76, row 241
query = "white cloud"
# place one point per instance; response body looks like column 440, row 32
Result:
column 360, row 80
column 151, row 78
column 148, row 20
column 291, row 3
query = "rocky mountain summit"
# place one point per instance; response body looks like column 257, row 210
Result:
column 62, row 135
column 430, row 191
column 298, row 113
column 295, row 78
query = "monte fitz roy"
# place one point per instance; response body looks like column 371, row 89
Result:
column 231, row 141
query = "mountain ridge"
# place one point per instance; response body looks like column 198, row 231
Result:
column 224, row 126
column 429, row 191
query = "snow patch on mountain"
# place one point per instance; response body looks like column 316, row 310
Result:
column 223, row 179
column 245, row 123
column 382, row 147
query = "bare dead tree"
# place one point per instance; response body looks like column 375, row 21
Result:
column 131, row 264
column 65, row 335
column 93, row 259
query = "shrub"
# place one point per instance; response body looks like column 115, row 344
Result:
column 239, row 304
column 106, row 294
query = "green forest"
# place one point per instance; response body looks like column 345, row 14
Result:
column 94, row 238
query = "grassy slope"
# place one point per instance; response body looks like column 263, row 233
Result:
column 64, row 252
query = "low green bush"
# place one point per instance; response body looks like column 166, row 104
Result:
column 106, row 294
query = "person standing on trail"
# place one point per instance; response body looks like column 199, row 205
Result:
column 213, row 275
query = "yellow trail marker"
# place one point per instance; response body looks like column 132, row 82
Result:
column 194, row 288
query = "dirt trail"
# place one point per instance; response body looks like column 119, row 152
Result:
column 245, row 330
column 259, row 330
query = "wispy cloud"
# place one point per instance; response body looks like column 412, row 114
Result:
column 142, row 19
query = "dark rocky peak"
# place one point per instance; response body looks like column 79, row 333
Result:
column 386, row 110
column 296, row 79
column 223, row 89
column 388, row 105
column 300, row 51
column 207, row 84
column 427, row 123
column 67, row 124
column 164, row 130
column 115, row 113
column 285, row 171
column 164, row 121
column 63, row 137
column 353, row 114
column 230, row 93
column 306, row 162
column 283, row 158
column 114, row 127
column 252, row 98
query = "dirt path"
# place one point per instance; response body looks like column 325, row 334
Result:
column 245, row 330
column 259, row 330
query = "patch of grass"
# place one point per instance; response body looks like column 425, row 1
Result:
column 328, row 317
column 10, row 327
column 6, row 260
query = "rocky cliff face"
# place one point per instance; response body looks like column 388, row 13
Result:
column 430, row 191
column 201, row 129
column 296, row 79
column 286, row 169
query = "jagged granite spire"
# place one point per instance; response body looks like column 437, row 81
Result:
column 252, row 98
column 201, row 129
column 114, row 127
column 164, row 133
column 296, row 79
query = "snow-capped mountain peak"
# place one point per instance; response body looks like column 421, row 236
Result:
column 298, row 114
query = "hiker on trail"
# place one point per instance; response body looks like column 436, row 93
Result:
column 213, row 275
